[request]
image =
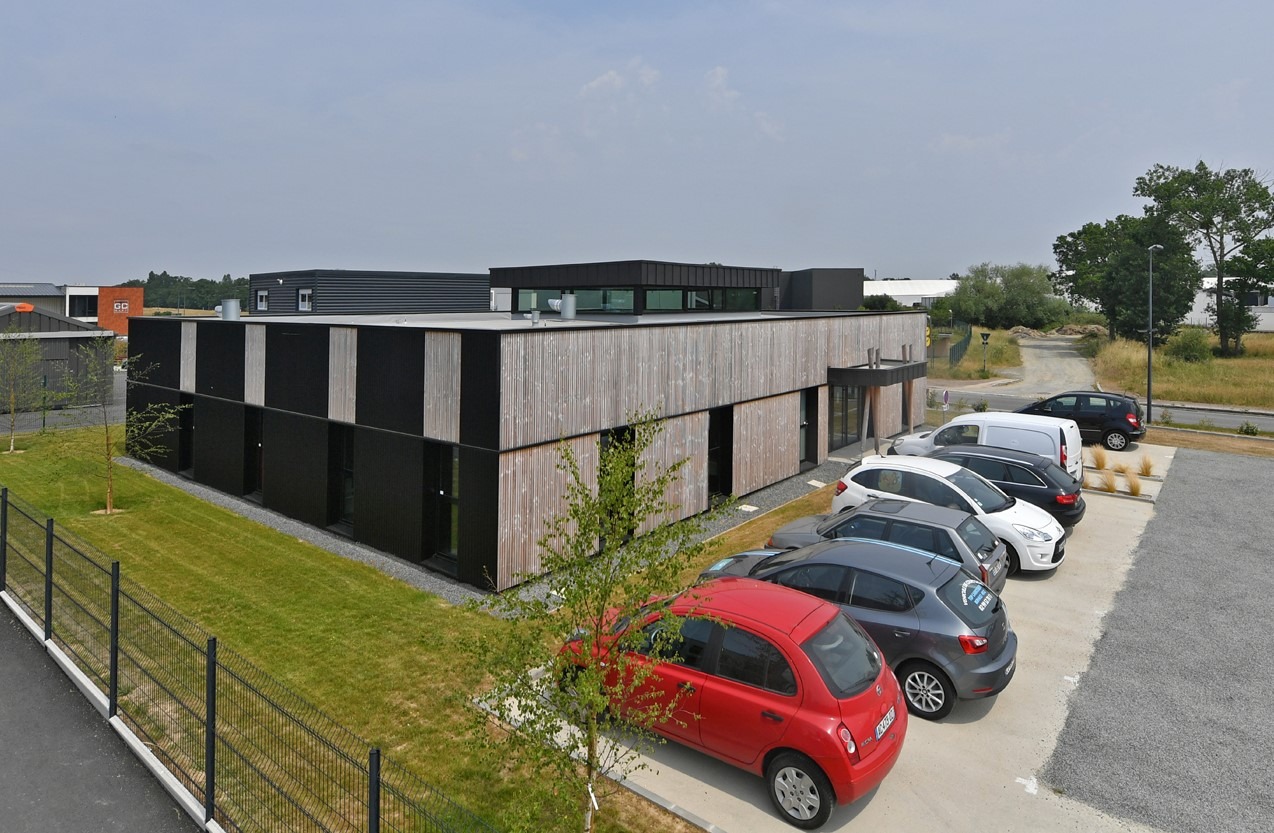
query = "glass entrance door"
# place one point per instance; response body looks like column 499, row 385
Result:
column 842, row 423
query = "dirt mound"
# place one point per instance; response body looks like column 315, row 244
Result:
column 1081, row 330
column 1020, row 331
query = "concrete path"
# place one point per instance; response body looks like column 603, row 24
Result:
column 1049, row 365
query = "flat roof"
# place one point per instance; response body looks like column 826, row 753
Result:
column 512, row 322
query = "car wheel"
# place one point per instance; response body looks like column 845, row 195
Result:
column 1115, row 440
column 928, row 691
column 1015, row 564
column 800, row 791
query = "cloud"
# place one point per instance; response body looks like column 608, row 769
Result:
column 958, row 143
column 769, row 127
column 720, row 95
column 605, row 84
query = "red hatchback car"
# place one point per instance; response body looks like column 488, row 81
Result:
column 786, row 686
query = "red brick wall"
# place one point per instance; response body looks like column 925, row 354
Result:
column 115, row 304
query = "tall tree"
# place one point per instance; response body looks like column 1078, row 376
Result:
column 608, row 556
column 21, row 382
column 1006, row 296
column 1224, row 210
column 1107, row 265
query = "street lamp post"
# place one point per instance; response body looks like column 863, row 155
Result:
column 1150, row 333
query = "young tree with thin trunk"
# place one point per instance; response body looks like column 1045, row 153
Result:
column 146, row 430
column 606, row 560
column 21, row 361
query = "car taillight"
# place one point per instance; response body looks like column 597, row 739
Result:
column 1132, row 420
column 1063, row 456
column 840, row 487
column 770, row 543
column 973, row 644
column 847, row 738
column 986, row 576
column 1067, row 500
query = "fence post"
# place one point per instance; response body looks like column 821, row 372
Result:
column 210, row 734
column 373, row 791
column 48, row 579
column 113, row 704
column 4, row 538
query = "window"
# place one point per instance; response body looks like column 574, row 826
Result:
column 658, row 300
column 263, row 300
column 860, row 527
column 845, row 657
column 970, row 599
column 912, row 535
column 822, row 580
column 686, row 649
column 957, row 435
column 447, row 535
column 876, row 592
column 978, row 538
column 750, row 659
column 305, row 300
column 1021, row 474
column 990, row 469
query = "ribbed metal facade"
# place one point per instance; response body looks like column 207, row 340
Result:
column 634, row 273
column 347, row 292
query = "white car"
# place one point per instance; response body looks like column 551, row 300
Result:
column 1035, row 541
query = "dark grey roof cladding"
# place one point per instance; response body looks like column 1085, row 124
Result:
column 633, row 273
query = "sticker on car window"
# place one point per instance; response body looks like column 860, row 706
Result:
column 975, row 594
column 720, row 565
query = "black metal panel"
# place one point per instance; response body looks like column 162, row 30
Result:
column 345, row 292
column 218, row 459
column 822, row 289
column 480, row 374
column 294, row 465
column 876, row 377
column 633, row 273
column 296, row 368
column 168, row 453
column 391, row 379
column 387, row 512
column 479, row 498
column 155, row 344
column 219, row 359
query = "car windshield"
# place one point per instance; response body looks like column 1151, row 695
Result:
column 986, row 496
column 978, row 538
column 845, row 657
column 970, row 599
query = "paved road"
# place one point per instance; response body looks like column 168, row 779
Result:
column 62, row 768
column 1051, row 365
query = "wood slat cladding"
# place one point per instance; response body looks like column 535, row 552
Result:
column 682, row 438
column 566, row 382
column 531, row 491
column 254, row 365
column 189, row 337
column 766, row 441
column 824, row 420
column 442, row 386
column 342, row 387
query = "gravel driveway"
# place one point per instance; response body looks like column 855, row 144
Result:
column 1173, row 723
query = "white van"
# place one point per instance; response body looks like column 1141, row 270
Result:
column 1051, row 437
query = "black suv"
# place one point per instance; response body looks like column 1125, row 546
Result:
column 1111, row 419
column 1022, row 475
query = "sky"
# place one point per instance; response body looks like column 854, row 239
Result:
column 911, row 139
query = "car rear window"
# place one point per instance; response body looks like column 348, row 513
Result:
column 1058, row 476
column 845, row 657
column 978, row 538
column 970, row 599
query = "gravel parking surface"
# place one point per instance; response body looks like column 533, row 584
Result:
column 1172, row 724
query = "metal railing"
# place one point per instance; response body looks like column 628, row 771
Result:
column 257, row 755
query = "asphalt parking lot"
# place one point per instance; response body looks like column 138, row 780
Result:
column 1142, row 699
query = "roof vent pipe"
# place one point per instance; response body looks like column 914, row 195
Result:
column 230, row 309
column 568, row 307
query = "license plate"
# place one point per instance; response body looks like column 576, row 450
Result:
column 885, row 723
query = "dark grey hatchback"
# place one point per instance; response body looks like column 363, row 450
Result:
column 945, row 634
column 950, row 533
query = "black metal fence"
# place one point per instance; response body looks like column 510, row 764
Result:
column 255, row 754
column 963, row 335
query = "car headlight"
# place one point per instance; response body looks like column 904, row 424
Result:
column 1032, row 534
